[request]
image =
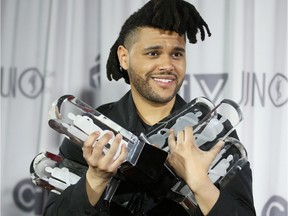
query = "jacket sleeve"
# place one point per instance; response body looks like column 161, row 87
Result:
column 73, row 201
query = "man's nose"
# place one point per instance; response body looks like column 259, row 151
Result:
column 166, row 65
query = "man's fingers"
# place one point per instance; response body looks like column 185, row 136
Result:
column 91, row 139
column 94, row 146
column 115, row 145
column 121, row 158
column 88, row 144
column 189, row 134
column 171, row 139
column 180, row 137
column 217, row 147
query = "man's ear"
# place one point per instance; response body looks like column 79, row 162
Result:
column 122, row 53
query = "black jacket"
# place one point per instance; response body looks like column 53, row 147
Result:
column 235, row 199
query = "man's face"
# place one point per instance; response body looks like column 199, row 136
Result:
column 156, row 64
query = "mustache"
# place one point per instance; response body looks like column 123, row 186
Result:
column 163, row 73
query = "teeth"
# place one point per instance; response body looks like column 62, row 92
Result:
column 163, row 80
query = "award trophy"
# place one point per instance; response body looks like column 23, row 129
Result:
column 145, row 164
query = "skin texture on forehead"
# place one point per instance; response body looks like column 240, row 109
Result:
column 157, row 39
column 133, row 35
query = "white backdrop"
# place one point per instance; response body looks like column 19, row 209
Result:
column 50, row 48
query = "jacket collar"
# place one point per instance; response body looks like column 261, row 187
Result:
column 132, row 121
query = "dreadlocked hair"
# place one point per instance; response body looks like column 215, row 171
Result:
column 172, row 15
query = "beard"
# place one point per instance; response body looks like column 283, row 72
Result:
column 146, row 91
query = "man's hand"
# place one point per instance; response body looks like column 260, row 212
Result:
column 101, row 166
column 192, row 164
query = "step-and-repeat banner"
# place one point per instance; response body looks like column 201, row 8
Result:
column 50, row 48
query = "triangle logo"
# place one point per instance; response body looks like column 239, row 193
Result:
column 212, row 84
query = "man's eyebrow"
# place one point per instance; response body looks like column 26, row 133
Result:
column 153, row 48
column 180, row 49
column 157, row 47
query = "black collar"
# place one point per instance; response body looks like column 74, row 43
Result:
column 124, row 113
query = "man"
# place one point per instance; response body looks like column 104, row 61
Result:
column 150, row 55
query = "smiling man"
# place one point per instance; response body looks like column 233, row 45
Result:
column 155, row 62
column 150, row 56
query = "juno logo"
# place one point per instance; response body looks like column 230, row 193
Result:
column 275, row 206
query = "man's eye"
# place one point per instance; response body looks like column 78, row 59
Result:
column 152, row 53
column 178, row 54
